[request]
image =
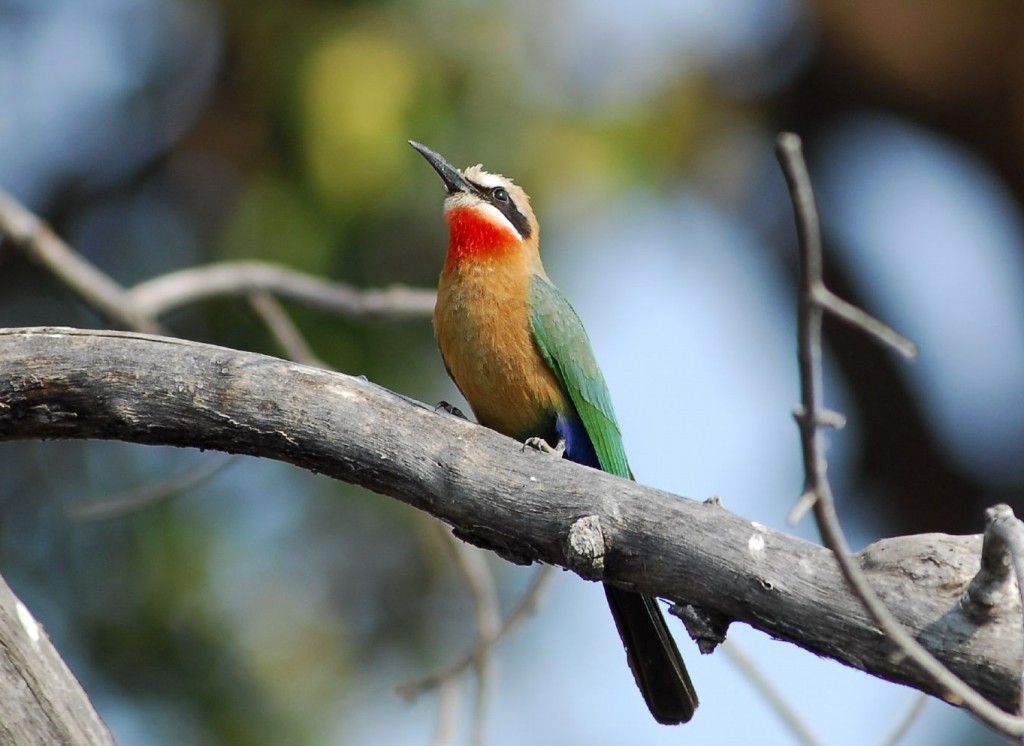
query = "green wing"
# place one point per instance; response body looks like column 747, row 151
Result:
column 564, row 344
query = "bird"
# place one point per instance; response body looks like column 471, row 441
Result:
column 518, row 353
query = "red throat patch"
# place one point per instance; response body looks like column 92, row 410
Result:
column 472, row 236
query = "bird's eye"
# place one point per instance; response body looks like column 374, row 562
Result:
column 499, row 194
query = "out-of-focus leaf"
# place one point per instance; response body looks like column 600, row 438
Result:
column 358, row 88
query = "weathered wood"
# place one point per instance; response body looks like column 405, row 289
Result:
column 41, row 702
column 66, row 383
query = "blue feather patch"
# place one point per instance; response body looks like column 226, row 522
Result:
column 578, row 446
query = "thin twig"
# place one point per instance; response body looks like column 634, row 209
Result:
column 472, row 566
column 858, row 319
column 909, row 718
column 448, row 714
column 522, row 608
column 788, row 714
column 788, row 151
column 38, row 242
column 804, row 503
column 185, row 287
column 283, row 329
column 130, row 501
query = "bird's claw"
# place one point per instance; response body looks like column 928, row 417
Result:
column 539, row 444
column 443, row 406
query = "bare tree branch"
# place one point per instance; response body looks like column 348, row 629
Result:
column 524, row 606
column 772, row 695
column 67, row 383
column 868, row 324
column 909, row 718
column 472, row 566
column 139, row 308
column 175, row 290
column 447, row 729
column 41, row 702
column 39, row 243
column 810, row 420
column 283, row 329
column 129, row 501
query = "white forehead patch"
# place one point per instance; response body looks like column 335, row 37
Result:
column 462, row 200
column 483, row 178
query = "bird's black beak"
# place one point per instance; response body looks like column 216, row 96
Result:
column 454, row 181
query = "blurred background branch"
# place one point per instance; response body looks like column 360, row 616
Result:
column 178, row 289
column 139, row 307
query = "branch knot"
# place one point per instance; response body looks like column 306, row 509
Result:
column 585, row 548
column 994, row 586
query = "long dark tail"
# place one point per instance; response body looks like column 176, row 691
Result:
column 653, row 657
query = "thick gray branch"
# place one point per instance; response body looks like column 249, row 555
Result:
column 65, row 383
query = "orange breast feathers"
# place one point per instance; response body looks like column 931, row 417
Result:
column 483, row 329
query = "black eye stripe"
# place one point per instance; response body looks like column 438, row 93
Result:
column 506, row 207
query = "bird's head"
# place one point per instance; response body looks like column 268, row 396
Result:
column 488, row 215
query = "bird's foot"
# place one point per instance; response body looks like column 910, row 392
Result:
column 443, row 406
column 539, row 444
